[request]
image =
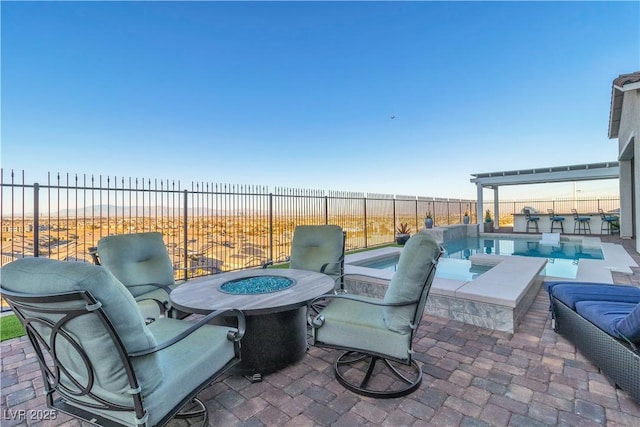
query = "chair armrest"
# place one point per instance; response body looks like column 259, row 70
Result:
column 269, row 262
column 161, row 305
column 166, row 288
column 317, row 304
column 232, row 335
column 360, row 299
column 93, row 251
column 326, row 264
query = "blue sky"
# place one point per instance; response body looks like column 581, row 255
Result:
column 301, row 94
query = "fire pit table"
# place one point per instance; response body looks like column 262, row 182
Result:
column 274, row 303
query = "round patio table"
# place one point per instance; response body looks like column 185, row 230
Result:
column 276, row 334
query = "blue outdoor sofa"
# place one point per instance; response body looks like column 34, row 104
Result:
column 603, row 321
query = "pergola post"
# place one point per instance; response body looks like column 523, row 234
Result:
column 479, row 217
column 496, row 208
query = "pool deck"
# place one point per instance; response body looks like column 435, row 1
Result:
column 473, row 376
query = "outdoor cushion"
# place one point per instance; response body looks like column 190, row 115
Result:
column 44, row 276
column 136, row 259
column 202, row 353
column 571, row 292
column 315, row 245
column 356, row 324
column 606, row 315
column 414, row 265
column 629, row 327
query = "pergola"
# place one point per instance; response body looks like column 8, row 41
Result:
column 493, row 180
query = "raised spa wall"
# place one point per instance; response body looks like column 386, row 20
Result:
column 497, row 299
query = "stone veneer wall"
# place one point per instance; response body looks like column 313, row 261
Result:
column 492, row 316
column 452, row 232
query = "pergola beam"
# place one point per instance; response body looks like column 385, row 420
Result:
column 493, row 180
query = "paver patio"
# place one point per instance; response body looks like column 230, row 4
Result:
column 472, row 377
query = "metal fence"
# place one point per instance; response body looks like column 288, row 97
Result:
column 208, row 228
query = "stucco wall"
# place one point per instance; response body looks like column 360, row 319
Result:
column 629, row 134
column 629, row 120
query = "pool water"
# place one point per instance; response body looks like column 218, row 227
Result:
column 448, row 268
column 562, row 259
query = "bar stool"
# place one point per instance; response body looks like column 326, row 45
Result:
column 605, row 225
column 531, row 220
column 582, row 222
column 556, row 220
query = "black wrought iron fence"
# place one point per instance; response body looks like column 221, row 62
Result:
column 210, row 228
column 207, row 228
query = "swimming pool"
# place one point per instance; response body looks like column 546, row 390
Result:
column 562, row 258
column 448, row 268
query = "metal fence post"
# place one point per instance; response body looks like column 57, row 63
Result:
column 36, row 220
column 185, row 236
column 326, row 210
column 271, row 226
column 364, row 200
column 395, row 219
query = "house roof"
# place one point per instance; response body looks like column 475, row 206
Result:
column 621, row 84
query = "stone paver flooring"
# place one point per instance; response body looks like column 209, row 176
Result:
column 472, row 377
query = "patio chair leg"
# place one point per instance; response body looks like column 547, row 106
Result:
column 193, row 409
column 352, row 365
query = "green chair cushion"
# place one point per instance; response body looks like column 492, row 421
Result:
column 358, row 325
column 314, row 245
column 408, row 281
column 46, row 276
column 185, row 365
column 137, row 259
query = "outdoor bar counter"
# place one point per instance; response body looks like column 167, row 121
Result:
column 544, row 223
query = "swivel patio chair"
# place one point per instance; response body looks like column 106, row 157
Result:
column 581, row 223
column 607, row 222
column 318, row 248
column 555, row 221
column 99, row 361
column 531, row 220
column 141, row 262
column 369, row 330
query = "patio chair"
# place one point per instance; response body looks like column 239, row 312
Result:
column 371, row 330
column 141, row 262
column 99, row 361
column 318, row 248
column 555, row 219
column 580, row 222
column 607, row 222
column 531, row 220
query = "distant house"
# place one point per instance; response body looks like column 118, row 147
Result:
column 624, row 124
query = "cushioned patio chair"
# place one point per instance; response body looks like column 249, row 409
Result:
column 581, row 223
column 372, row 330
column 603, row 321
column 555, row 220
column 318, row 248
column 532, row 220
column 608, row 222
column 100, row 362
column 141, row 262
